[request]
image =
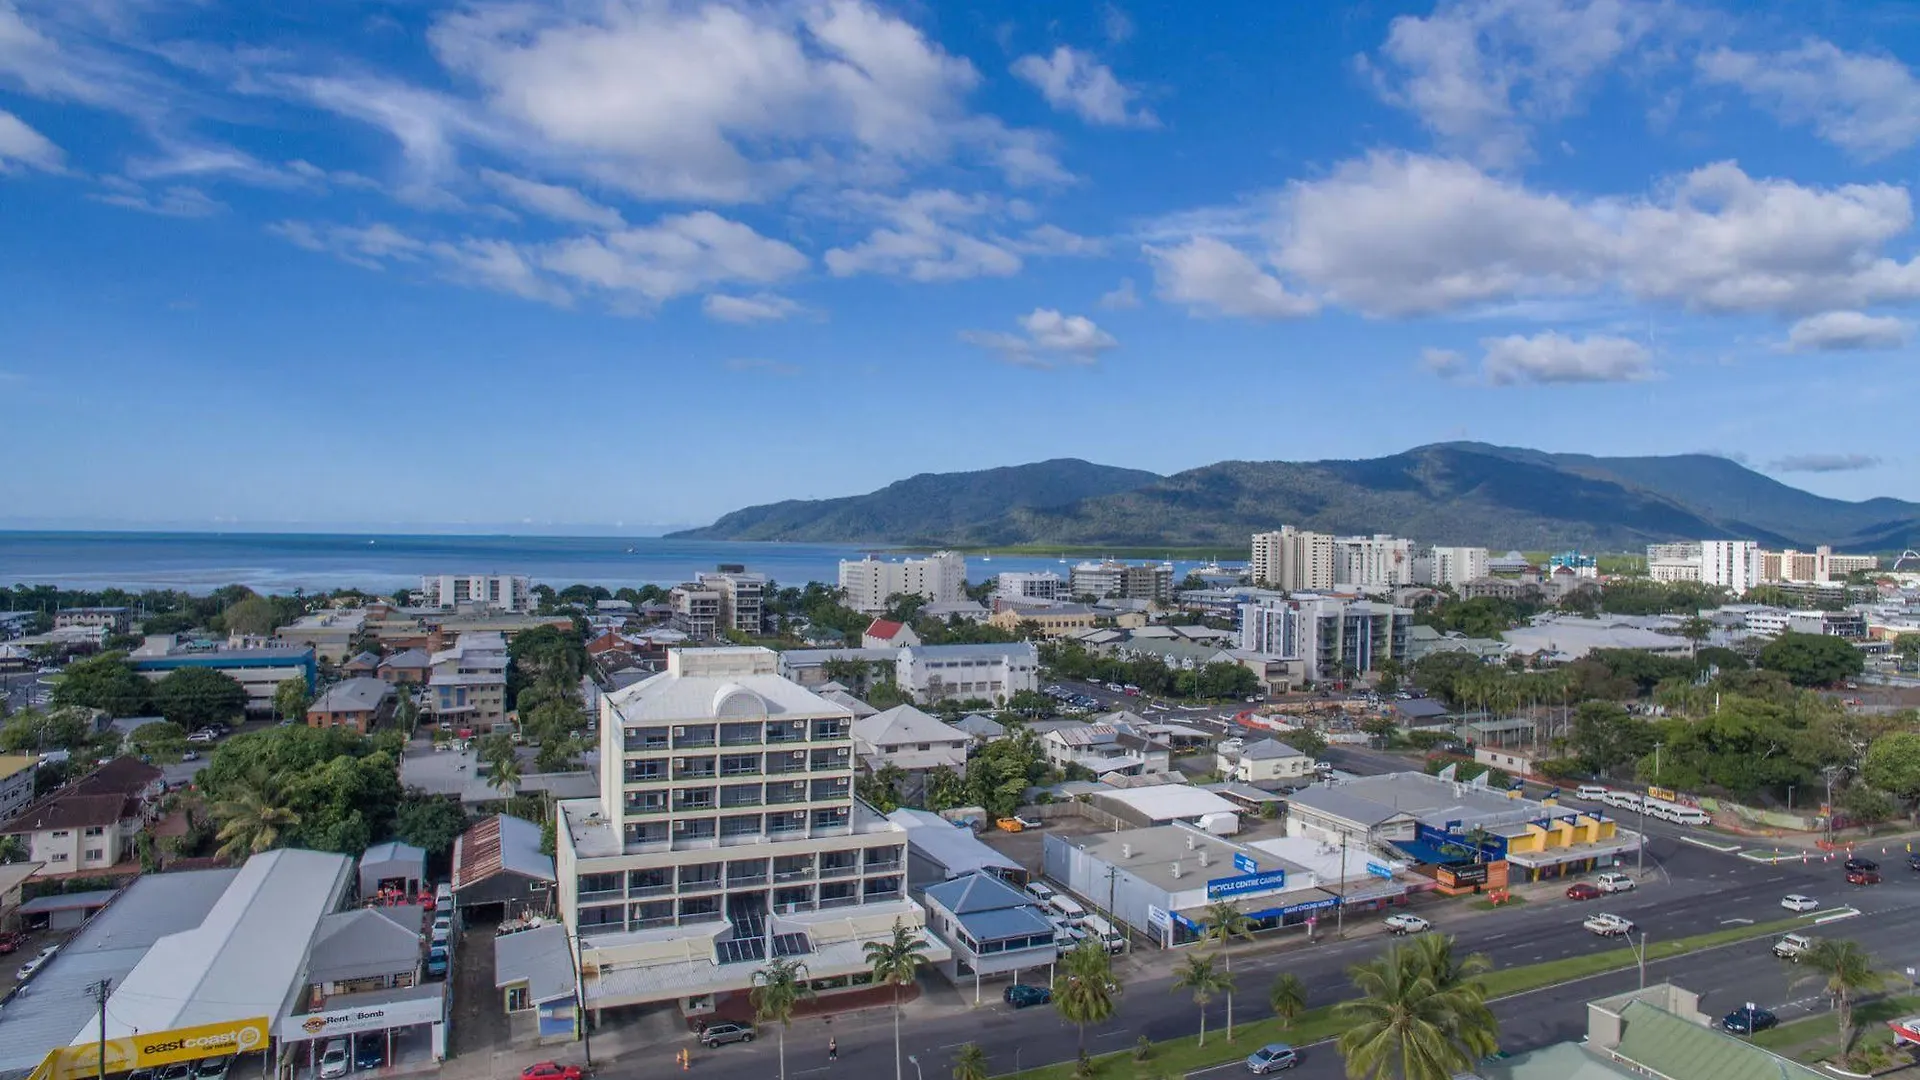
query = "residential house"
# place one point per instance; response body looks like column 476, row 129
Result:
column 115, row 620
column 1267, row 761
column 409, row 667
column 1106, row 749
column 910, row 740
column 993, row 928
column 888, row 634
column 981, row 729
column 363, row 664
column 500, row 871
column 355, row 704
column 468, row 685
column 89, row 824
column 972, row 611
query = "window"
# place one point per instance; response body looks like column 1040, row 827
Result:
column 59, row 856
column 517, row 999
column 95, row 830
column 62, row 834
column 96, row 854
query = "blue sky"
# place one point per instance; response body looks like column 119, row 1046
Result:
column 623, row 261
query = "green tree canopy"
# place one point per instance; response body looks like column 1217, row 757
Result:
column 290, row 699
column 66, row 728
column 342, row 789
column 105, row 682
column 260, row 616
column 1607, row 738
column 194, row 697
column 429, row 822
column 156, row 735
column 1812, row 659
column 1893, row 764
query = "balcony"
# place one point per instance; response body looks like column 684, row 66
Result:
column 734, row 801
column 602, row 895
column 637, row 740
column 786, row 736
column 694, row 807
column 641, row 891
column 889, row 867
column 651, row 776
column 740, row 737
column 742, row 881
column 645, row 809
column 693, row 739
column 837, row 870
column 838, row 901
column 786, row 798
column 794, row 875
column 831, row 732
column 789, row 828
column 695, row 772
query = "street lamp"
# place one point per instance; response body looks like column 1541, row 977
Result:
column 916, row 1067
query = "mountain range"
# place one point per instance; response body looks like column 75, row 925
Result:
column 1445, row 493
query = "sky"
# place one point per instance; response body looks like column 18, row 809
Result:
column 635, row 263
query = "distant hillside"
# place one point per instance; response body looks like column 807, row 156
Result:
column 932, row 508
column 1465, row 493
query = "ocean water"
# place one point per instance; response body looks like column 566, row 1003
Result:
column 317, row 562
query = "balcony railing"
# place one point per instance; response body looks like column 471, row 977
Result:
column 741, row 881
column 847, row 870
column 642, row 809
column 700, row 885
column 838, row 901
column 693, row 740
column 794, row 875
column 892, row 867
column 697, row 772
column 784, row 736
column 600, row 895
column 650, row 890
column 734, row 802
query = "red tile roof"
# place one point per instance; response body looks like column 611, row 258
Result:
column 885, row 629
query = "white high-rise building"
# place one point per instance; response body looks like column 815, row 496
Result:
column 1731, row 564
column 726, row 833
column 1293, row 559
column 940, row 577
column 1326, row 637
column 1020, row 585
column 1674, row 562
column 1372, row 561
column 489, row 592
column 1453, row 566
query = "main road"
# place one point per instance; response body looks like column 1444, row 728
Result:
column 1690, row 890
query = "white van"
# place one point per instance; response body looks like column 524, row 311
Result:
column 1068, row 907
column 1625, row 800
column 1591, row 791
column 1689, row 815
column 443, row 897
column 1100, row 928
column 1040, row 891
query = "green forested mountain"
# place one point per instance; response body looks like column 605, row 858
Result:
column 1465, row 493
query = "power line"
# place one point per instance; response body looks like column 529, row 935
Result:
column 100, row 990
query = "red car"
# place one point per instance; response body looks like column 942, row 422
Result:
column 1583, row 891
column 1862, row 876
column 551, row 1070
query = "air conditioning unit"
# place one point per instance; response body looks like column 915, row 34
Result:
column 1126, row 851
column 679, row 731
column 1203, row 857
column 1174, row 870
column 1192, row 842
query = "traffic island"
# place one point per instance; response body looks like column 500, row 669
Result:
column 1816, row 1040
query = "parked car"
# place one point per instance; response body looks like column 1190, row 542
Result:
column 1407, row 924
column 1613, row 883
column 722, row 1034
column 369, row 1052
column 1748, row 1019
column 10, row 941
column 1583, row 890
column 437, row 960
column 1798, row 902
column 551, row 1070
column 1793, row 947
column 1608, row 925
column 179, row 1070
column 39, row 961
column 214, row 1068
column 1020, row 995
column 1272, row 1057
column 202, row 736
column 335, row 1061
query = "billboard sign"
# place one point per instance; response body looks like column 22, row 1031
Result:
column 393, row 1014
column 152, row 1049
column 1245, row 864
column 1156, row 917
column 1247, row 884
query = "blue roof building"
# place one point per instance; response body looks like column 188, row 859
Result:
column 993, row 928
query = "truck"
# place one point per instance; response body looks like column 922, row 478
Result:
column 1793, row 947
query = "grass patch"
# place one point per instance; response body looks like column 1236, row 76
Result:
column 1176, row 1057
column 1487, row 904
column 1817, row 1038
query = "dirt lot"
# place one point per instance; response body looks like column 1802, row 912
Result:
column 1025, row 847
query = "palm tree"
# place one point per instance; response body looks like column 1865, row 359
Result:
column 970, row 1063
column 503, row 765
column 1220, row 925
column 1288, row 998
column 1200, row 976
column 1847, row 971
column 251, row 818
column 777, row 988
column 1080, row 994
column 896, row 962
column 1419, row 1016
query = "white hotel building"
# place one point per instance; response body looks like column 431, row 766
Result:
column 940, row 577
column 727, row 832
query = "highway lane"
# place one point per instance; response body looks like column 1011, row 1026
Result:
column 1692, row 890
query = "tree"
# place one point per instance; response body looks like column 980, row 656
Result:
column 1864, row 805
column 429, row 822
column 252, row 818
column 1893, row 764
column 1420, row 1015
column 156, row 735
column 777, row 989
column 1288, row 998
column 1198, row 975
column 194, row 697
column 66, row 728
column 945, row 789
column 1812, row 659
column 290, row 699
column 1307, row 741
column 1606, row 737
column 105, row 682
column 1220, row 926
column 881, row 790
column 1081, row 993
column 1696, row 629
column 1847, row 971
column 256, row 616
column 1907, row 647
column 343, row 787
column 502, row 763
column 970, row 1063
column 896, row 962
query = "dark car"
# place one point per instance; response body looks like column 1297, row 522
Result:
column 722, row 1034
column 369, row 1052
column 1913, row 863
column 1748, row 1019
column 1862, row 876
column 1020, row 995
column 1857, row 863
column 1583, row 890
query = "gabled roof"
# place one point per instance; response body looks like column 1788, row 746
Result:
column 903, row 724
column 1666, row 1045
column 884, row 629
column 362, row 661
column 1090, row 735
column 105, row 796
column 352, row 695
column 1269, row 749
column 499, row 844
column 539, row 957
column 408, row 658
column 981, row 727
column 847, row 701
column 365, row 943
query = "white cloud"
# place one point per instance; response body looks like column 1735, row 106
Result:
column 1073, row 81
column 1211, row 276
column 760, row 307
column 553, row 200
column 1116, row 24
column 496, row 265
column 1480, row 73
column 1867, row 105
column 1446, row 363
column 676, row 255
column 1845, row 331
column 1121, row 297
column 1551, row 358
column 371, row 246
column 21, row 145
column 181, row 202
column 1049, row 339
column 1823, row 463
column 925, row 240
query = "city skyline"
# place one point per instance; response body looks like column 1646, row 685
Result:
column 416, row 265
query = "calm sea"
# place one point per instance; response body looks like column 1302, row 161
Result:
column 282, row 562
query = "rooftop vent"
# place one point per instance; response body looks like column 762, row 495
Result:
column 1175, row 870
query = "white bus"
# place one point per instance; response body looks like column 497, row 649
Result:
column 1676, row 813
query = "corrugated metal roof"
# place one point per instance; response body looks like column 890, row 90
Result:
column 365, row 943
column 538, row 957
column 499, row 843
column 40, row 905
column 1670, row 1046
column 975, row 893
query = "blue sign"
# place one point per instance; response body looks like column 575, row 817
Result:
column 1297, row 909
column 1268, row 881
column 1379, row 869
column 1245, row 864
column 1184, row 921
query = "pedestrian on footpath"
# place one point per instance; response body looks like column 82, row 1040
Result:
column 833, row 1049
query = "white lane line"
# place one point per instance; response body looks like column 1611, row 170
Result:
column 1736, row 922
column 1844, row 913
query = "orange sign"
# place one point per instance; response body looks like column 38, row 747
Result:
column 151, row 1049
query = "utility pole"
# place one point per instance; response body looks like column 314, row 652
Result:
column 1340, row 910
column 1113, row 917
column 100, row 991
column 580, row 1008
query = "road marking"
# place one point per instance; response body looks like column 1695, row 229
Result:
column 1843, row 913
column 1736, row 922
column 1724, row 849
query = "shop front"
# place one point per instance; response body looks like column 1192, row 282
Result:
column 152, row 1050
column 397, row 1028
